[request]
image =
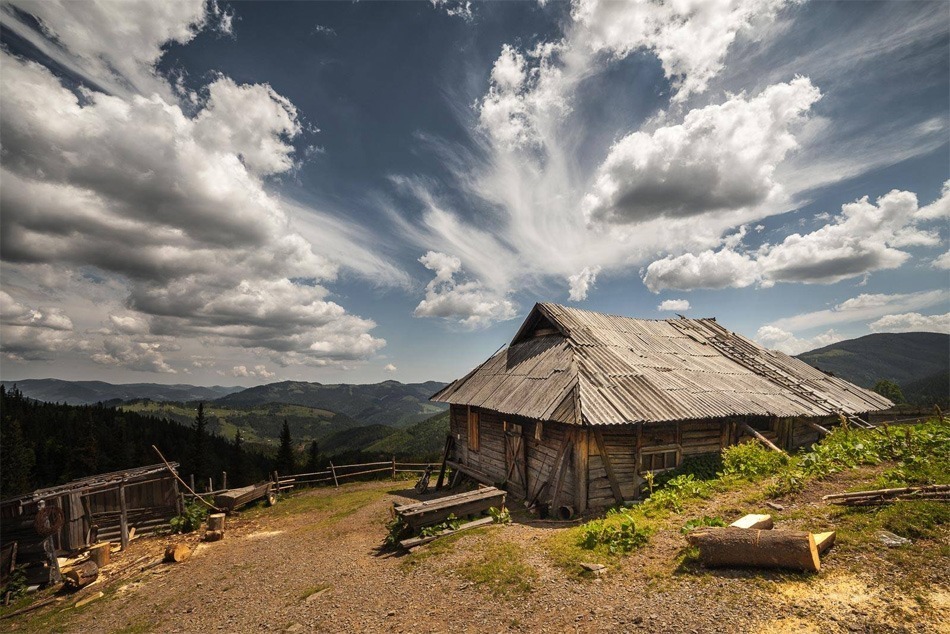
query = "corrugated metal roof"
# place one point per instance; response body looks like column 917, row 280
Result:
column 625, row 370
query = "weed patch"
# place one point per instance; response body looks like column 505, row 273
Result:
column 500, row 567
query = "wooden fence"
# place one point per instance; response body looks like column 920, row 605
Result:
column 338, row 473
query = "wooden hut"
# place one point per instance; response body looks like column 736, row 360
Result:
column 580, row 405
column 105, row 507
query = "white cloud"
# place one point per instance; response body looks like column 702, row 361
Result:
column 862, row 308
column 942, row 261
column 258, row 371
column 177, row 207
column 320, row 29
column 468, row 303
column 689, row 38
column 33, row 333
column 866, row 237
column 708, row 269
column 939, row 209
column 455, row 8
column 721, row 157
column 580, row 284
column 676, row 305
column 135, row 355
column 389, row 367
column 912, row 322
column 784, row 341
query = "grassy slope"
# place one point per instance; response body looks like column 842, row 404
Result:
column 423, row 440
column 900, row 357
column 387, row 403
column 258, row 424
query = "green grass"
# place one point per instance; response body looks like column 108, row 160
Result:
column 500, row 567
column 312, row 590
column 336, row 505
column 439, row 547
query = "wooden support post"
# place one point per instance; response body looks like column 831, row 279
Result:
column 564, row 459
column 123, row 517
column 224, row 480
column 449, row 439
column 210, row 485
column 394, row 467
column 608, row 467
column 336, row 482
column 818, row 428
column 581, row 461
column 762, row 439
column 191, row 480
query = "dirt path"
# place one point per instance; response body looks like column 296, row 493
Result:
column 313, row 564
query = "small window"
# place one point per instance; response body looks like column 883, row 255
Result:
column 656, row 461
column 472, row 429
column 513, row 429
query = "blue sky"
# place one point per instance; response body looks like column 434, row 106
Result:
column 218, row 193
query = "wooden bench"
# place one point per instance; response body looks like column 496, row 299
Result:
column 430, row 512
column 236, row 498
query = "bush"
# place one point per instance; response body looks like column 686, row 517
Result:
column 191, row 518
column 787, row 482
column 617, row 536
column 704, row 467
column 751, row 460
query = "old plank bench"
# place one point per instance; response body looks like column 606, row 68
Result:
column 236, row 498
column 431, row 512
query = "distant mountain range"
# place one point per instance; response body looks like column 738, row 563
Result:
column 917, row 361
column 90, row 392
column 388, row 403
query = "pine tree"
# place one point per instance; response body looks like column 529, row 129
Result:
column 313, row 458
column 237, row 460
column 285, row 455
column 18, row 460
column 199, row 435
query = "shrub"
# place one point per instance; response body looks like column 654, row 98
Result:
column 190, row 519
column 751, row 460
column 500, row 516
column 704, row 467
column 787, row 482
column 617, row 536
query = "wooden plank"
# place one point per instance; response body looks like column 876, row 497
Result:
column 581, row 469
column 471, row 472
column 561, row 468
column 123, row 518
column 608, row 467
column 762, row 439
column 419, row 541
column 449, row 440
column 446, row 501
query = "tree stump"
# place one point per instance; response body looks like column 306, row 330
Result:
column 743, row 547
column 216, row 522
column 214, row 536
column 177, row 553
column 82, row 575
column 100, row 553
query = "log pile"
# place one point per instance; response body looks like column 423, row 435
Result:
column 751, row 542
column 82, row 575
column 937, row 492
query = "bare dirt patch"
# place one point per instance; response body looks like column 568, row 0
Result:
column 314, row 563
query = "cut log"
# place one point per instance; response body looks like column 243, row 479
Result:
column 216, row 522
column 82, row 575
column 741, row 547
column 760, row 522
column 214, row 536
column 824, row 541
column 177, row 553
column 762, row 439
column 100, row 553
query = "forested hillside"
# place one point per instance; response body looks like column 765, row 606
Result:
column 91, row 392
column 46, row 444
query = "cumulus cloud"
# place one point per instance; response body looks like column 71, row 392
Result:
column 784, row 341
column 912, row 322
column 258, row 371
column 676, row 305
column 389, row 367
column 689, row 38
column 33, row 333
column 942, row 261
column 721, row 157
column 866, row 237
column 468, row 303
column 176, row 205
column 580, row 284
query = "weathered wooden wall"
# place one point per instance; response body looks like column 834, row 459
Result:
column 617, row 448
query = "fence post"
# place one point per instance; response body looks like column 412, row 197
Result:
column 192, row 481
column 224, row 480
column 123, row 518
column 336, row 483
column 394, row 467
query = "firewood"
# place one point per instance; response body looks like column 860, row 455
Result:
column 214, row 536
column 216, row 522
column 760, row 522
column 177, row 553
column 82, row 575
column 824, row 541
column 742, row 547
column 100, row 553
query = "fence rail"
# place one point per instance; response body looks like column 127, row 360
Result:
column 336, row 473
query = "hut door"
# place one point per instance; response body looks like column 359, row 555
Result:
column 516, row 469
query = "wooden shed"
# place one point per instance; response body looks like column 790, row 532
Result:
column 580, row 404
column 104, row 507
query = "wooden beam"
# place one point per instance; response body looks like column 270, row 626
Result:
column 123, row 518
column 449, row 440
column 581, row 469
column 608, row 467
column 821, row 430
column 762, row 439
column 561, row 467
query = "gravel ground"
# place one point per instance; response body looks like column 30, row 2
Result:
column 289, row 569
